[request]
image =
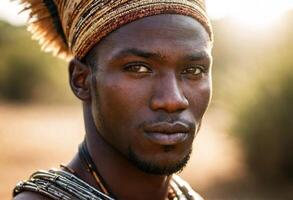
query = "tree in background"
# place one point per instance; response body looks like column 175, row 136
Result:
column 265, row 127
column 27, row 74
column 263, row 110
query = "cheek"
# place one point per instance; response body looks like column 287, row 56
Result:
column 121, row 105
column 199, row 96
column 205, row 90
column 122, row 98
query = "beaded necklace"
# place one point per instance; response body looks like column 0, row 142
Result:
column 65, row 185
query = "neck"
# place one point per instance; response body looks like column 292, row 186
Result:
column 120, row 175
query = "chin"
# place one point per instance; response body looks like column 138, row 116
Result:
column 159, row 167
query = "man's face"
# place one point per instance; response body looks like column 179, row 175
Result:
column 151, row 88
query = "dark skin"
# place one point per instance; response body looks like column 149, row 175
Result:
column 161, row 75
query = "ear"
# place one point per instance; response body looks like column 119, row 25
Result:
column 79, row 79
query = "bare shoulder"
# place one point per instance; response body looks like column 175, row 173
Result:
column 30, row 196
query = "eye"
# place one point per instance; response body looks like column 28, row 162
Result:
column 194, row 70
column 137, row 68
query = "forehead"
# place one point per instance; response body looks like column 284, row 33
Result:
column 157, row 33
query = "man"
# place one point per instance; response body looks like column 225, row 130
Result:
column 142, row 70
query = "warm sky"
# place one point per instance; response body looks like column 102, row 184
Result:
column 254, row 12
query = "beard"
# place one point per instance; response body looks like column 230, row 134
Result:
column 144, row 165
column 157, row 169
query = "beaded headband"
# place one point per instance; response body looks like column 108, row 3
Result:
column 70, row 28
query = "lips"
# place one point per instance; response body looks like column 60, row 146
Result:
column 164, row 133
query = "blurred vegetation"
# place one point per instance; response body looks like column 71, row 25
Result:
column 27, row 74
column 253, row 81
column 266, row 127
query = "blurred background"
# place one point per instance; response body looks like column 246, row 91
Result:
column 244, row 150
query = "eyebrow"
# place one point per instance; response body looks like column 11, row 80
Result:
column 136, row 52
column 195, row 56
column 198, row 56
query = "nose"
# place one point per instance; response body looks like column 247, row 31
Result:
column 168, row 95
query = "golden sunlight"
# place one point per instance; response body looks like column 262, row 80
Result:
column 256, row 13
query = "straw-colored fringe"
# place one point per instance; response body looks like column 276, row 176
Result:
column 41, row 26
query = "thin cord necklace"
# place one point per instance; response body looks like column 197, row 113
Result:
column 91, row 168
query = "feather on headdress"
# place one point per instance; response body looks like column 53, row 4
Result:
column 70, row 28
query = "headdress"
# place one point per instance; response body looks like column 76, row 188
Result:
column 72, row 27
